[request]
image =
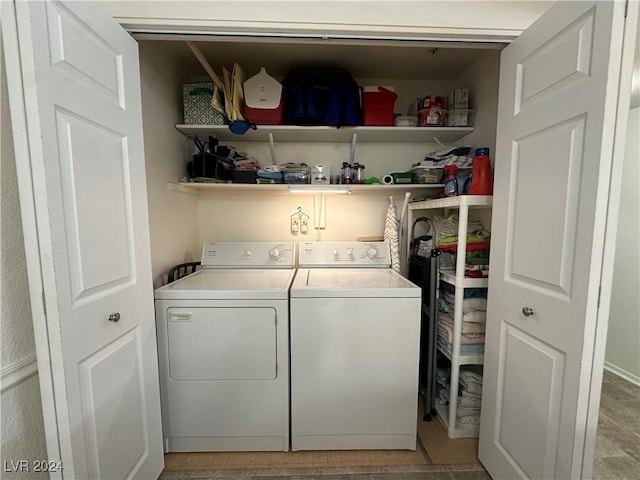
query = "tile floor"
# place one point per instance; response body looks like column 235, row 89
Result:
column 283, row 460
column 617, row 455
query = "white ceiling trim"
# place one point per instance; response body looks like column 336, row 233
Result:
column 139, row 27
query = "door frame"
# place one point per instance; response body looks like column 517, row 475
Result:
column 48, row 361
column 597, row 359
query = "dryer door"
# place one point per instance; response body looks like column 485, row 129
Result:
column 216, row 343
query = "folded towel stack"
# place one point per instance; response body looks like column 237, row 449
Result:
column 474, row 314
column 469, row 394
column 477, row 249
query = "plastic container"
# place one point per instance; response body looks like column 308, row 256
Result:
column 405, row 121
column 432, row 111
column 460, row 118
column 346, row 173
column 358, row 173
column 263, row 103
column 451, row 183
column 427, row 174
column 377, row 106
column 297, row 174
column 481, row 173
column 402, row 177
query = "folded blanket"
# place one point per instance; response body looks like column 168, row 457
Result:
column 468, row 401
column 481, row 245
column 468, row 292
column 465, row 349
column 469, row 420
column 471, row 377
column 472, row 237
column 447, row 227
column 468, row 304
column 470, row 387
column 446, row 332
column 467, row 327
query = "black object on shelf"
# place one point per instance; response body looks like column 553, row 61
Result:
column 181, row 270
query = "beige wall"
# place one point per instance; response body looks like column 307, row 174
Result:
column 623, row 338
column 21, row 425
column 172, row 216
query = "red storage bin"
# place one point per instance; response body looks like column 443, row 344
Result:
column 263, row 103
column 377, row 106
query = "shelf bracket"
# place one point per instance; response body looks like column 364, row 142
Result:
column 352, row 153
column 320, row 211
column 272, row 149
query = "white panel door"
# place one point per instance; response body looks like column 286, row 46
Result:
column 557, row 111
column 76, row 110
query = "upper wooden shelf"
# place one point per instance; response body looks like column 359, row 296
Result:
column 292, row 133
column 478, row 201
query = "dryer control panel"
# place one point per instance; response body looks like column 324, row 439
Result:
column 248, row 255
column 345, row 254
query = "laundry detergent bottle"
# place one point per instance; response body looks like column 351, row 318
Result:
column 481, row 173
column 451, row 182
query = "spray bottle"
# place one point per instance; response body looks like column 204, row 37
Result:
column 451, row 182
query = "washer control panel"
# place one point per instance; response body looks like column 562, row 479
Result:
column 248, row 255
column 344, row 254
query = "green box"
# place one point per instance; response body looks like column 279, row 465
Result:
column 404, row 177
column 196, row 98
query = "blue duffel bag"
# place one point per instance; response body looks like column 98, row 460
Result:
column 321, row 96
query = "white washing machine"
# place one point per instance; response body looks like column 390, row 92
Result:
column 223, row 347
column 355, row 344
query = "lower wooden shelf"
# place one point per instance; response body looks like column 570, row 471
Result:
column 215, row 188
column 462, row 359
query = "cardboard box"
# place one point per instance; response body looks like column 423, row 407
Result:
column 196, row 99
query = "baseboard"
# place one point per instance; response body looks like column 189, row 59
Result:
column 622, row 373
column 18, row 372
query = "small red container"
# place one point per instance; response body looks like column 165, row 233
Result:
column 265, row 116
column 432, row 111
column 377, row 106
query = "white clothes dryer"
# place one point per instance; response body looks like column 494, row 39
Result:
column 355, row 345
column 223, row 348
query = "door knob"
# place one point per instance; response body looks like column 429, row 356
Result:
column 114, row 317
column 527, row 312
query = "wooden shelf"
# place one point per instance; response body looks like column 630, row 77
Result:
column 466, row 282
column 283, row 189
column 293, row 133
column 471, row 201
column 463, row 358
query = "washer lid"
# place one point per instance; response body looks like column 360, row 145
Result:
column 229, row 284
column 352, row 282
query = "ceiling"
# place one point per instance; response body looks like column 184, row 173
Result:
column 363, row 59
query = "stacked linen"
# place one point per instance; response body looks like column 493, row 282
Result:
column 448, row 227
column 477, row 250
column 472, row 333
column 270, row 174
column 469, row 395
column 474, row 314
